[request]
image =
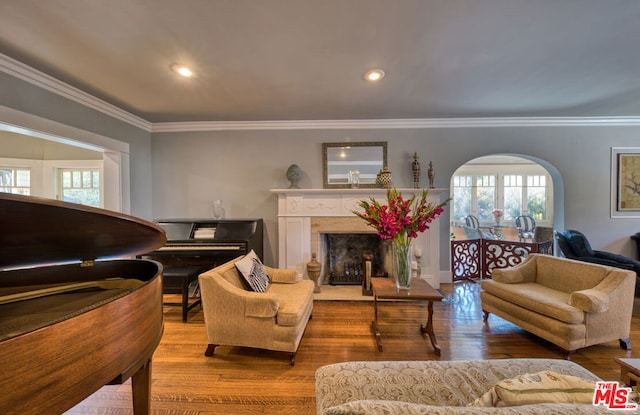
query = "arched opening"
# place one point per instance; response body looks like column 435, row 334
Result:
column 491, row 196
column 498, row 188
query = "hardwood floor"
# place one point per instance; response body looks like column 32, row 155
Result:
column 248, row 381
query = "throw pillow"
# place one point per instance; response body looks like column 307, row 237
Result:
column 535, row 388
column 253, row 272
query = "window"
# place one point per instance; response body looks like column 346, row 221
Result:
column 485, row 196
column 537, row 197
column 462, row 186
column 80, row 186
column 512, row 196
column 519, row 188
column 15, row 180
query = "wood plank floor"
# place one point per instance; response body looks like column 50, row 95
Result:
column 248, row 381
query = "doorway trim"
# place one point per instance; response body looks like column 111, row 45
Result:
column 115, row 153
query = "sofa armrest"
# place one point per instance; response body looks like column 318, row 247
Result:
column 507, row 275
column 590, row 301
column 261, row 304
column 523, row 272
column 282, row 276
column 599, row 298
column 234, row 302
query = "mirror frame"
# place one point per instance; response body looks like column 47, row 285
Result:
column 325, row 177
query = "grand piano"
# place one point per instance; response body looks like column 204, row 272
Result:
column 73, row 317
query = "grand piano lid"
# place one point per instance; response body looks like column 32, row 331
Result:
column 36, row 232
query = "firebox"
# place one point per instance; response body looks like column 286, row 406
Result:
column 342, row 257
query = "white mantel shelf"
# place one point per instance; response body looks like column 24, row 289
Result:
column 297, row 207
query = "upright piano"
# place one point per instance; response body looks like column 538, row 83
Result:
column 207, row 242
column 196, row 245
column 73, row 317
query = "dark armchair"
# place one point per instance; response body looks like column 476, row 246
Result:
column 574, row 245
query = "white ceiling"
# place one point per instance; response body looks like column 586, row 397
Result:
column 258, row 60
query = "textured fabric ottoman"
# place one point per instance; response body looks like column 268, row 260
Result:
column 435, row 387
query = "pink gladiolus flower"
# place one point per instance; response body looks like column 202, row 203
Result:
column 401, row 219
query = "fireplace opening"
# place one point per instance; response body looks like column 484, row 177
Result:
column 343, row 256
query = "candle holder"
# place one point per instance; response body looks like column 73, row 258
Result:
column 367, row 273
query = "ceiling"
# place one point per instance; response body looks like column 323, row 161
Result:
column 260, row 60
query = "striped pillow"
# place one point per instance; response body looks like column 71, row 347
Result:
column 253, row 272
column 541, row 387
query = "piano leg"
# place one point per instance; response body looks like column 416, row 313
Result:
column 141, row 390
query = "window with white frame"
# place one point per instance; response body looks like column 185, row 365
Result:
column 462, row 201
column 485, row 195
column 80, row 186
column 517, row 188
column 15, row 180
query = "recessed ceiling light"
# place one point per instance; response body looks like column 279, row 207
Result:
column 182, row 70
column 374, row 75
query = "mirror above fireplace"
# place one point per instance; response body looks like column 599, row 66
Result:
column 357, row 164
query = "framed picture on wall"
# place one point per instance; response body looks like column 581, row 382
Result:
column 625, row 182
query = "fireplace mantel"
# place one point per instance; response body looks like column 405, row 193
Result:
column 298, row 207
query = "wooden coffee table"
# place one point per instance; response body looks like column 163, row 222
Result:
column 420, row 290
column 629, row 370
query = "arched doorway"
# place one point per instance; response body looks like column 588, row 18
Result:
column 509, row 185
column 515, row 184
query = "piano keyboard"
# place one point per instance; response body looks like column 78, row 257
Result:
column 196, row 247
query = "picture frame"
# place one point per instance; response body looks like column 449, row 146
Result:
column 625, row 182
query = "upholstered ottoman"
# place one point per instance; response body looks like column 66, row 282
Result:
column 442, row 387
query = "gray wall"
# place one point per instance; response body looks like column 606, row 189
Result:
column 180, row 174
column 190, row 170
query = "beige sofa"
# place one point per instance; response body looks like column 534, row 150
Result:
column 442, row 387
column 569, row 303
column 273, row 320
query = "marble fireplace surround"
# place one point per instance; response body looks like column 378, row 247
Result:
column 304, row 214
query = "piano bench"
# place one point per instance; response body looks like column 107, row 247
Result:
column 176, row 280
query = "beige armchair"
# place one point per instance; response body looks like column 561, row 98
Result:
column 273, row 320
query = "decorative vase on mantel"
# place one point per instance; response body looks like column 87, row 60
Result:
column 402, row 249
column 384, row 178
column 294, row 173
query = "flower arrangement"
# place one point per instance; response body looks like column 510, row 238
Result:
column 497, row 215
column 400, row 221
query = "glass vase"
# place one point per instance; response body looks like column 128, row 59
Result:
column 402, row 264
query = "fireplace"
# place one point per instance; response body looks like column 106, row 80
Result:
column 305, row 215
column 341, row 256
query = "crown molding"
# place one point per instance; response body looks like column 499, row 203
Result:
column 42, row 80
column 33, row 76
column 395, row 123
